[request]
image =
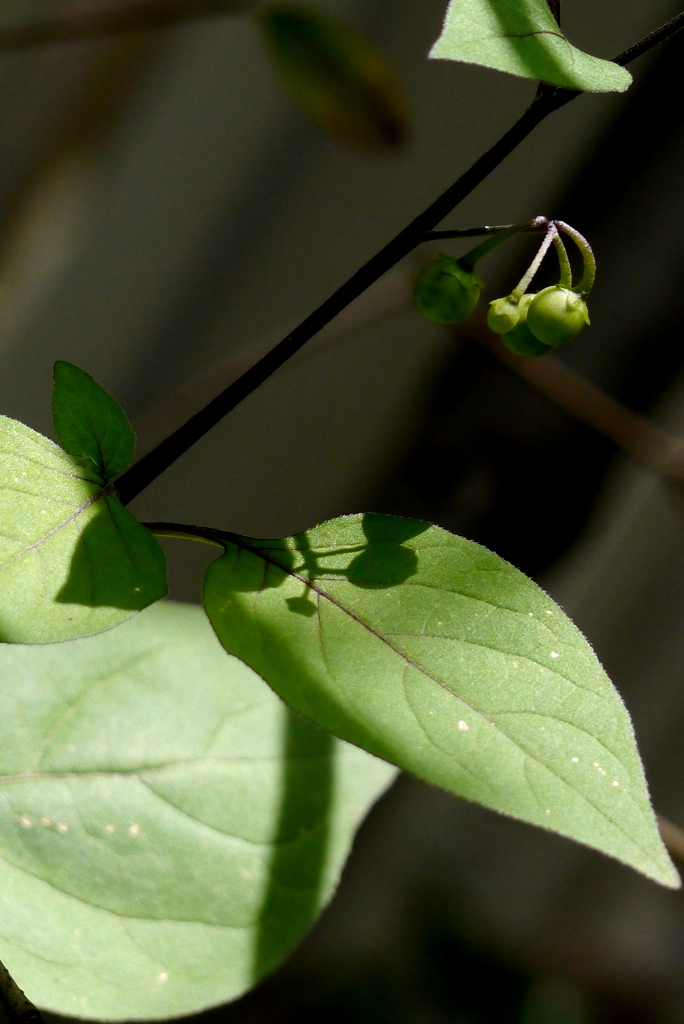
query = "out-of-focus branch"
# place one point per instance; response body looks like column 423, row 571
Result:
column 142, row 16
column 673, row 837
column 633, row 434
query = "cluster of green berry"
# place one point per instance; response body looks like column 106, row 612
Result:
column 537, row 323
column 530, row 324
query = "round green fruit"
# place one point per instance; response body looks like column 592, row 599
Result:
column 520, row 339
column 503, row 315
column 446, row 293
column 557, row 315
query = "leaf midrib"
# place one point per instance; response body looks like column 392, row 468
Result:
column 241, row 543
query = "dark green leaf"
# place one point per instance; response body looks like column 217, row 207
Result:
column 335, row 76
column 89, row 423
column 168, row 829
column 434, row 653
column 73, row 560
column 523, row 38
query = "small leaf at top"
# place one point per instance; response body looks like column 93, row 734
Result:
column 169, row 830
column 436, row 654
column 73, row 560
column 335, row 76
column 523, row 38
column 89, row 423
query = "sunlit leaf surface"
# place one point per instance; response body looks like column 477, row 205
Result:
column 434, row 653
column 523, row 38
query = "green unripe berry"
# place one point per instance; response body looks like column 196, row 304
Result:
column 503, row 315
column 446, row 293
column 557, row 315
column 521, row 340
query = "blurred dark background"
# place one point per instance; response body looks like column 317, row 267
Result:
column 165, row 217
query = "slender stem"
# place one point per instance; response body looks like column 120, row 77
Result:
column 666, row 31
column 186, row 531
column 175, row 531
column 141, row 16
column 438, row 236
column 589, row 276
column 475, row 255
column 525, row 281
column 140, row 475
column 564, row 260
column 152, row 465
column 18, row 1009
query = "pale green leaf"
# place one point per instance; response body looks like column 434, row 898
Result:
column 434, row 653
column 523, row 38
column 168, row 828
column 73, row 560
column 89, row 423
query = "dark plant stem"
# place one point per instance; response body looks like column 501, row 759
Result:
column 152, row 465
column 139, row 476
column 666, row 31
column 436, row 236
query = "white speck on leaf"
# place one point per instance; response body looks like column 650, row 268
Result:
column 109, row 829
column 463, row 726
column 575, row 760
column 62, row 827
column 555, row 654
column 133, row 830
column 25, row 821
column 46, row 821
column 163, row 976
column 616, row 783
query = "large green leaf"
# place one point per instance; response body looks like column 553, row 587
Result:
column 89, row 423
column 434, row 653
column 523, row 38
column 73, row 560
column 168, row 828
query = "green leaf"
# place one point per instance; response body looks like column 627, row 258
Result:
column 89, row 423
column 73, row 560
column 434, row 653
column 335, row 76
column 168, row 828
column 523, row 38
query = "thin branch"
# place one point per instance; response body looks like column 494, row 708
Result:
column 152, row 465
column 435, row 236
column 150, row 14
column 666, row 31
column 18, row 1009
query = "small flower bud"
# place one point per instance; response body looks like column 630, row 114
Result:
column 446, row 293
column 557, row 315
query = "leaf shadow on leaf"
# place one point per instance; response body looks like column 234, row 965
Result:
column 383, row 561
column 116, row 562
column 297, row 867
